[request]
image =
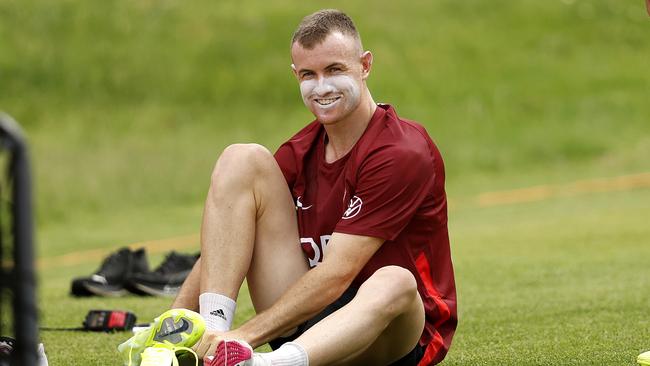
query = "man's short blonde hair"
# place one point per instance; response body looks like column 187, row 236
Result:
column 314, row 28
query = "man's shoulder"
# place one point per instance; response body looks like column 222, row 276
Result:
column 291, row 153
column 307, row 133
column 301, row 142
column 399, row 137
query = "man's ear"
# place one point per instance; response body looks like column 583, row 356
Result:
column 294, row 70
column 366, row 64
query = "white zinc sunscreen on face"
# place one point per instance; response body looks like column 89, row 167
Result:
column 327, row 92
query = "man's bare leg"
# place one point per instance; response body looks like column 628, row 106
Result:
column 188, row 296
column 249, row 229
column 380, row 325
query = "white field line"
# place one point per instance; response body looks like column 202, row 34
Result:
column 487, row 199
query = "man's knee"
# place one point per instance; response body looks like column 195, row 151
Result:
column 240, row 163
column 392, row 289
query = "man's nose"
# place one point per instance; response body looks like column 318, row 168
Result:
column 323, row 86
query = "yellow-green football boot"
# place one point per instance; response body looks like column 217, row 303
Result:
column 158, row 356
column 175, row 329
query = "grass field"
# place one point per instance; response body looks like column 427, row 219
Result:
column 127, row 105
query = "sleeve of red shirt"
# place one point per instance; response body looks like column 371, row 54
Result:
column 392, row 183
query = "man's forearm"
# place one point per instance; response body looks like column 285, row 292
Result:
column 312, row 293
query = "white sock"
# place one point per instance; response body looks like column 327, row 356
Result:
column 218, row 311
column 289, row 354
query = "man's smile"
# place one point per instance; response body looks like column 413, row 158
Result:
column 326, row 102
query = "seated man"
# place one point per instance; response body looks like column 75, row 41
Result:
column 342, row 235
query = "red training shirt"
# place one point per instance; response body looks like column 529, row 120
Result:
column 389, row 186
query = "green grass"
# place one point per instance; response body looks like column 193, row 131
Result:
column 558, row 282
column 562, row 281
column 127, row 104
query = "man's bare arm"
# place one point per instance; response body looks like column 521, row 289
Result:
column 345, row 257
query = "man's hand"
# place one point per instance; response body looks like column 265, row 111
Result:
column 207, row 345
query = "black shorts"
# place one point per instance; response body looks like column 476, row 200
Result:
column 411, row 359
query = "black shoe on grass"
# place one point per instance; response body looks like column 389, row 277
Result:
column 112, row 276
column 167, row 279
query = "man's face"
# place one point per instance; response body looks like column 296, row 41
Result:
column 331, row 76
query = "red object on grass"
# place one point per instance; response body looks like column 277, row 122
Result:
column 117, row 319
column 647, row 5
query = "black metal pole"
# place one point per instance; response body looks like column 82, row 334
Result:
column 24, row 281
